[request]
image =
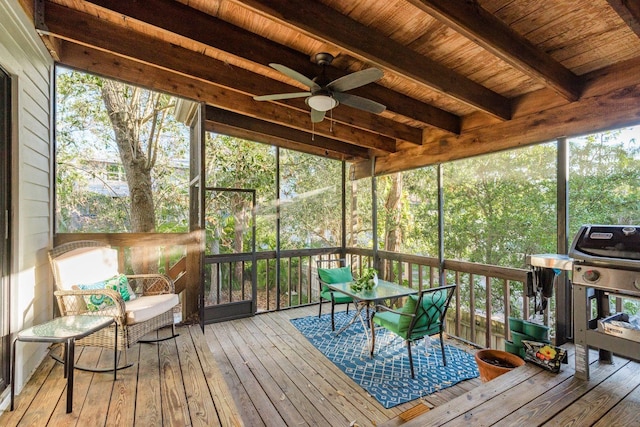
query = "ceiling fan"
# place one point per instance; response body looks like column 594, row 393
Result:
column 324, row 95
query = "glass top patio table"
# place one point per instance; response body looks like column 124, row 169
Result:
column 62, row 328
column 65, row 329
column 383, row 290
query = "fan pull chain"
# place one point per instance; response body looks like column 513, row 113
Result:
column 331, row 120
column 313, row 131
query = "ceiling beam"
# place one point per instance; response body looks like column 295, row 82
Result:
column 210, row 31
column 324, row 23
column 471, row 20
column 235, row 132
column 614, row 109
column 629, row 11
column 87, row 29
column 105, row 64
column 237, row 125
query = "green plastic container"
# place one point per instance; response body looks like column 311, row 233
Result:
column 522, row 352
column 511, row 347
column 517, row 338
column 515, row 324
column 535, row 331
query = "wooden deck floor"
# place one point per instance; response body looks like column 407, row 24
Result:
column 261, row 372
column 529, row 396
column 279, row 378
column 173, row 383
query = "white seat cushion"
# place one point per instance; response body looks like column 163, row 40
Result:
column 146, row 307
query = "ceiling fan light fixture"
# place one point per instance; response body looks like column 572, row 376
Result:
column 321, row 102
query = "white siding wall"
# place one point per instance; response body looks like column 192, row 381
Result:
column 24, row 57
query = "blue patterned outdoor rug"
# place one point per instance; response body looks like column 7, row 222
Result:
column 387, row 376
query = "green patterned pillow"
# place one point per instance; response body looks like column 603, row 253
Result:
column 98, row 302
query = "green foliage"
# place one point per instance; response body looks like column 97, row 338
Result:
column 365, row 281
column 605, row 181
column 359, row 211
column 91, row 187
column 500, row 207
column 497, row 208
column 311, row 207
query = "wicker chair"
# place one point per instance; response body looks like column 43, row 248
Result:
column 80, row 271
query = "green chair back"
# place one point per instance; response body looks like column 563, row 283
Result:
column 334, row 275
column 430, row 308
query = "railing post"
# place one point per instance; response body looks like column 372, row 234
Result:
column 374, row 213
column 488, row 311
column 458, row 304
column 564, row 310
column 442, row 279
column 506, row 291
column 277, row 228
column 472, row 307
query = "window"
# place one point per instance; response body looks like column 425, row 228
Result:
column 113, row 141
column 501, row 207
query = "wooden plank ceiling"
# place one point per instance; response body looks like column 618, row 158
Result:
column 461, row 77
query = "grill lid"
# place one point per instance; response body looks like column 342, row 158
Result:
column 613, row 245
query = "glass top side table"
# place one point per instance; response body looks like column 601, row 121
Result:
column 65, row 329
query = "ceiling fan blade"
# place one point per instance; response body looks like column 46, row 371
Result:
column 354, row 80
column 295, row 75
column 317, row 116
column 359, row 102
column 277, row 96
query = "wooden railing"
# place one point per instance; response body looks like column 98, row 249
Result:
column 489, row 282
column 496, row 291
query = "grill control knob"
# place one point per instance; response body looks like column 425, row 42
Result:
column 591, row 275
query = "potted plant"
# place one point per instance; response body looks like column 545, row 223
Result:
column 367, row 280
column 493, row 363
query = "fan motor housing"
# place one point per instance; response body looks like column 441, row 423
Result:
column 324, row 58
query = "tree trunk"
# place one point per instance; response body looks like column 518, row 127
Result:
column 393, row 213
column 353, row 224
column 137, row 167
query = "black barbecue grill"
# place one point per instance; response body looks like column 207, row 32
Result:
column 606, row 263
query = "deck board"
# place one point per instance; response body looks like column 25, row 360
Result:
column 148, row 400
column 122, row 408
column 225, row 408
column 627, row 413
column 264, row 408
column 261, row 371
column 28, row 393
column 600, row 399
column 238, row 393
column 202, row 410
column 332, row 389
column 548, row 405
column 174, row 404
column 288, row 404
column 46, row 399
column 346, row 392
column 304, row 394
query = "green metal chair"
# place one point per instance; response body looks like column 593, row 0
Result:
column 340, row 274
column 421, row 316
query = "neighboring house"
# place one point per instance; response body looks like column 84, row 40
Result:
column 110, row 179
column 27, row 285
